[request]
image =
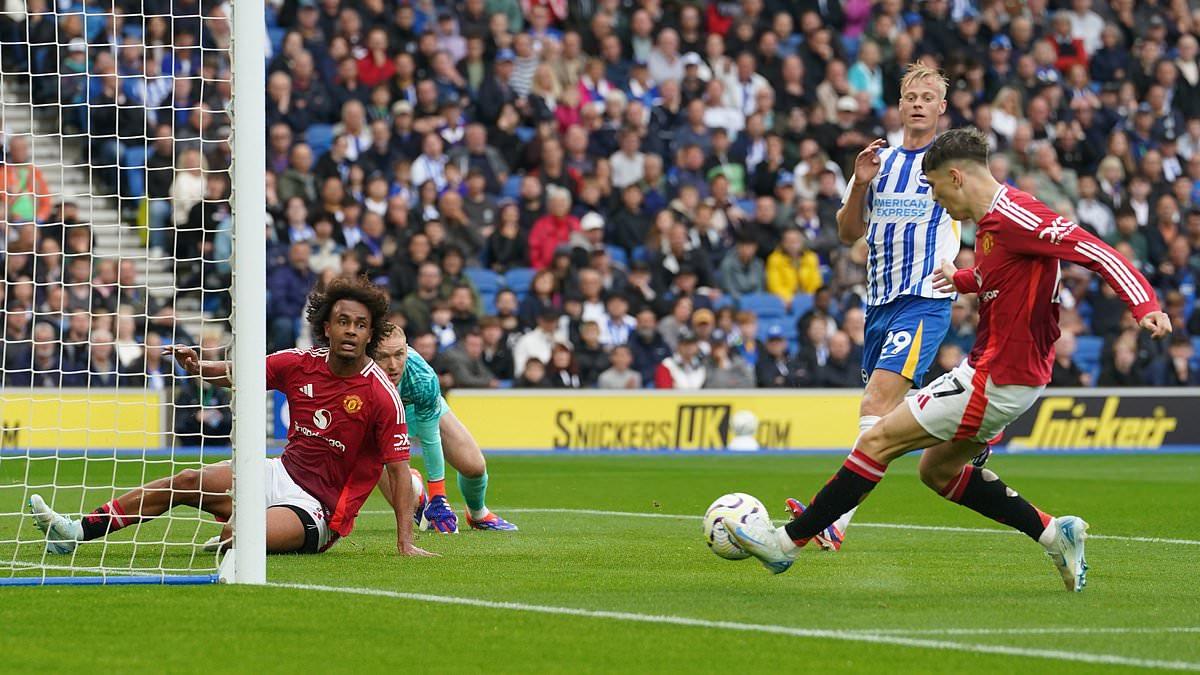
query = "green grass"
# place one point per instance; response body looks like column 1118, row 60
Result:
column 883, row 580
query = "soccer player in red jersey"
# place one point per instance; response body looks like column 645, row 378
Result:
column 1018, row 246
column 347, row 425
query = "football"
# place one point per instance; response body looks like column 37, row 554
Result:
column 732, row 508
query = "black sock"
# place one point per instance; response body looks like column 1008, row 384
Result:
column 982, row 491
column 108, row 518
column 848, row 487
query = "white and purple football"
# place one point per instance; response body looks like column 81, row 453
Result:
column 737, row 507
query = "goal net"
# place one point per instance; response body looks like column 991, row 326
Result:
column 117, row 190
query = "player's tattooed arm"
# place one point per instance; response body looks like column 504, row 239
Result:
column 219, row 373
column 949, row 279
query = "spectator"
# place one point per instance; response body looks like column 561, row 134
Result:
column 1122, row 369
column 684, row 369
column 533, row 375
column 289, row 285
column 553, row 229
column 496, row 355
column 543, row 296
column 1176, row 367
column 741, row 271
column 774, row 368
column 1065, row 372
column 590, row 357
column 537, row 343
column 563, row 372
column 26, row 195
column 647, row 345
column 792, row 268
column 418, row 305
column 465, row 364
column 840, row 369
column 726, row 369
column 617, row 326
column 620, row 375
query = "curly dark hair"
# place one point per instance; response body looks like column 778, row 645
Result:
column 321, row 302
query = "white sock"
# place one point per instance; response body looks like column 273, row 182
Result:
column 785, row 542
column 1049, row 534
column 864, row 425
column 478, row 515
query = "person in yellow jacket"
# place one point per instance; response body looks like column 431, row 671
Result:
column 792, row 268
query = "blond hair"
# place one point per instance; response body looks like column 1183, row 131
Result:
column 390, row 330
column 919, row 71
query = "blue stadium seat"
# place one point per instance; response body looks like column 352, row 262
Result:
column 489, row 302
column 748, row 206
column 618, row 255
column 764, row 305
column 485, row 280
column 320, row 138
column 787, row 326
column 640, row 253
column 525, row 134
column 801, row 303
column 518, row 279
column 512, row 187
column 276, row 34
column 1087, row 352
column 724, row 301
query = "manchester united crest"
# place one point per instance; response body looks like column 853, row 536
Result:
column 352, row 403
column 986, row 242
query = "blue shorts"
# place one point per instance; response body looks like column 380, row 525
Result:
column 903, row 336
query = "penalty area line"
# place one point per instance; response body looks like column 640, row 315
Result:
column 847, row 636
column 881, row 526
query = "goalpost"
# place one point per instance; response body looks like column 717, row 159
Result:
column 132, row 209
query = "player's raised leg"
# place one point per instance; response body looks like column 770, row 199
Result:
column 206, row 488
column 466, row 457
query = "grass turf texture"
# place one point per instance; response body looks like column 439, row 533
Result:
column 883, row 580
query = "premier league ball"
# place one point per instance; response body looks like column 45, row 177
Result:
column 737, row 507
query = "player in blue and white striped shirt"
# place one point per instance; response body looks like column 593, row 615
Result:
column 888, row 201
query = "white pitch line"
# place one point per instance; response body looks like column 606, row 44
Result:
column 882, row 526
column 848, row 636
column 1066, row 630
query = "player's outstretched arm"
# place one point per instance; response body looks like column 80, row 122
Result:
column 403, row 501
column 218, row 373
column 850, row 218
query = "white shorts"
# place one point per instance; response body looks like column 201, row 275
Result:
column 281, row 490
column 963, row 404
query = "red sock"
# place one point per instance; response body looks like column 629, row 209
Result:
column 437, row 488
column 848, row 487
column 105, row 520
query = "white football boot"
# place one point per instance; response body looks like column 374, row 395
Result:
column 62, row 533
column 1066, row 536
column 761, row 539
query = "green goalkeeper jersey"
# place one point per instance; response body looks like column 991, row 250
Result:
column 419, row 388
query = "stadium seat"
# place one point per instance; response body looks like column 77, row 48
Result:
column 764, row 305
column 276, row 34
column 488, row 300
column 485, row 280
column 801, row 303
column 512, row 188
column 618, row 255
column 640, row 253
column 724, row 301
column 1087, row 352
column 518, row 279
column 788, row 328
column 320, row 138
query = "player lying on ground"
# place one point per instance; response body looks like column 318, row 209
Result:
column 887, row 201
column 347, row 425
column 429, row 421
column 1018, row 246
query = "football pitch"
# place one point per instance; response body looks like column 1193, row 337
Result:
column 609, row 573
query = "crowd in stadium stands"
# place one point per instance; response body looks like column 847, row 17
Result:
column 613, row 193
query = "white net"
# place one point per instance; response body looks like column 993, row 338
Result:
column 117, row 241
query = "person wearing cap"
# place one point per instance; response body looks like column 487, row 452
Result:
column 553, row 229
column 496, row 92
column 704, row 324
column 1000, row 64
column 684, row 369
column 741, row 271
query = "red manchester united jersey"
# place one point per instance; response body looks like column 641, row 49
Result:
column 1017, row 248
column 342, row 429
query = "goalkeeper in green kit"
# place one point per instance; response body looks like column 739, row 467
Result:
column 429, row 421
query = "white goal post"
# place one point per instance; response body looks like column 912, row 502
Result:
column 132, row 215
